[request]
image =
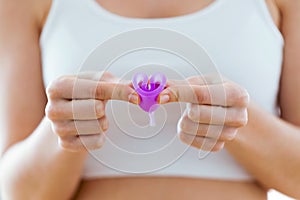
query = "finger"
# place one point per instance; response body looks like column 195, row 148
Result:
column 79, row 143
column 196, row 80
column 206, row 79
column 186, row 125
column 226, row 94
column 116, row 91
column 103, row 76
column 199, row 94
column 75, row 88
column 199, row 80
column 97, row 76
column 91, row 126
column 75, row 110
column 217, row 115
column 203, row 143
column 73, row 128
column 223, row 133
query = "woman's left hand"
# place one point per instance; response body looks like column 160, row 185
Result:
column 214, row 113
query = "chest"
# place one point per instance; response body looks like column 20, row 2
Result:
column 153, row 8
column 236, row 37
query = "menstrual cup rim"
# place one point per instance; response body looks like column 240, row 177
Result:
column 148, row 93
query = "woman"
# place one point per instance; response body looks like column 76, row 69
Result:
column 243, row 38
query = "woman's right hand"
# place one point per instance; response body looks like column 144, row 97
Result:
column 76, row 107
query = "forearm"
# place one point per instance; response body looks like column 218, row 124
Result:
column 269, row 148
column 38, row 168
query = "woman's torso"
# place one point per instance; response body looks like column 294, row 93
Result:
column 64, row 49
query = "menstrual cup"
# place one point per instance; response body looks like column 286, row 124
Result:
column 149, row 90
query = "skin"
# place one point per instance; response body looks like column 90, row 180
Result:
column 31, row 154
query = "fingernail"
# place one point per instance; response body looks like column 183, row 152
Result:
column 163, row 98
column 100, row 141
column 134, row 98
column 105, row 125
column 191, row 113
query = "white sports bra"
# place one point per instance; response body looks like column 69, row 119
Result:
column 239, row 36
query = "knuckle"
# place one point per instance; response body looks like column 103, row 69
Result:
column 91, row 91
column 99, row 142
column 237, row 117
column 197, row 80
column 174, row 90
column 120, row 91
column 64, row 80
column 107, row 74
column 231, row 92
column 228, row 133
column 207, row 114
column 242, row 118
column 53, row 90
column 202, row 95
column 100, row 91
column 104, row 124
column 199, row 114
column 243, row 98
column 208, row 144
column 182, row 136
column 51, row 111
column 62, row 129
column 192, row 115
column 92, row 142
column 99, row 109
column 236, row 94
column 218, row 146
column 202, row 130
column 212, row 132
column 96, row 75
column 68, row 144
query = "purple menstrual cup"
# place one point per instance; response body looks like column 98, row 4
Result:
column 149, row 89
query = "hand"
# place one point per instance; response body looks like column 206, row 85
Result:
column 76, row 107
column 215, row 111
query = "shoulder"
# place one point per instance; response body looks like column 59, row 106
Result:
column 290, row 82
column 286, row 15
column 286, row 6
column 290, row 12
column 34, row 10
column 285, row 3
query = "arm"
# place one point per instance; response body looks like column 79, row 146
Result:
column 32, row 167
column 269, row 147
column 46, row 162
